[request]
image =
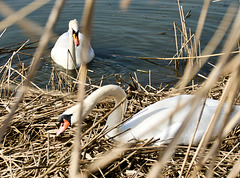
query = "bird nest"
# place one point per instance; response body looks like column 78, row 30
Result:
column 30, row 147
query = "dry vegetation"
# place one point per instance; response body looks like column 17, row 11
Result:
column 30, row 148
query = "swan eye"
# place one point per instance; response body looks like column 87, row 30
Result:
column 66, row 117
column 75, row 32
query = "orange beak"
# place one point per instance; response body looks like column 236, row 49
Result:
column 63, row 127
column 75, row 39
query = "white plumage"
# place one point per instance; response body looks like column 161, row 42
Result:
column 71, row 41
column 154, row 121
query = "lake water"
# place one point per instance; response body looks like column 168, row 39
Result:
column 116, row 33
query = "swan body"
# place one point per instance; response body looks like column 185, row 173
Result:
column 154, row 121
column 71, row 41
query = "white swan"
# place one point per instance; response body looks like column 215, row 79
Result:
column 154, row 118
column 71, row 41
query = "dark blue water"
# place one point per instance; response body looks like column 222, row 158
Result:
column 117, row 33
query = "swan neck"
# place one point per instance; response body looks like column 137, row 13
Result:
column 71, row 56
column 109, row 90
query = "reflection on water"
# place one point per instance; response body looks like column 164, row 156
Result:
column 116, row 33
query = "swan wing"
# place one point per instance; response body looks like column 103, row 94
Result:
column 59, row 52
column 156, row 121
column 158, row 108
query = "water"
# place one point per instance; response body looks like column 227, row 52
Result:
column 116, row 33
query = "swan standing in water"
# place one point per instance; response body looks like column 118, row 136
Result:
column 71, row 41
column 151, row 122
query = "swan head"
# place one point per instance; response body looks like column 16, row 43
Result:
column 71, row 116
column 73, row 30
column 65, row 121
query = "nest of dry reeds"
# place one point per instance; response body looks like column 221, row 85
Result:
column 30, row 146
column 28, row 117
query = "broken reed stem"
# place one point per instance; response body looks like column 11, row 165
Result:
column 184, row 29
column 181, row 58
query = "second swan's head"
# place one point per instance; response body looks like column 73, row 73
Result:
column 73, row 30
column 65, row 121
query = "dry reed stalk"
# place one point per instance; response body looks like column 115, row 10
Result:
column 183, row 46
column 191, row 142
column 108, row 158
column 190, row 71
column 28, row 27
column 158, row 166
column 5, row 79
column 184, row 30
column 181, row 58
column 12, row 19
column 225, row 157
column 87, row 29
column 232, row 94
column 201, row 22
column 124, row 4
column 176, row 41
column 235, row 170
column 4, row 30
column 42, row 44
column 212, row 77
column 130, row 155
column 230, row 87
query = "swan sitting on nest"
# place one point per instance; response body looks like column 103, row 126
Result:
column 155, row 121
column 68, row 48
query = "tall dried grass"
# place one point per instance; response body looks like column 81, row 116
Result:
column 29, row 146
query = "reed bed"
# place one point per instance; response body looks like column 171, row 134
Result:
column 28, row 114
column 30, row 146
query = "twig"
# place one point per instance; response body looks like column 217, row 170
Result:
column 3, row 32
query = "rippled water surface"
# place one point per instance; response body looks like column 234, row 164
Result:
column 117, row 33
